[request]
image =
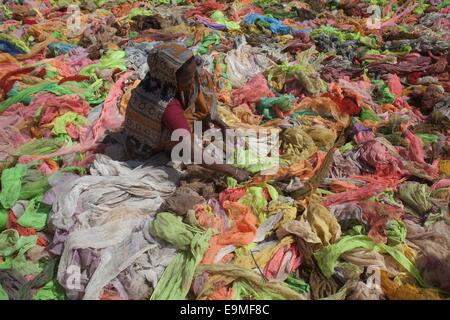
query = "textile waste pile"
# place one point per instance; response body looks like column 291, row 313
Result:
column 358, row 208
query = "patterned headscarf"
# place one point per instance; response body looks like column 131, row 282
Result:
column 165, row 60
column 149, row 100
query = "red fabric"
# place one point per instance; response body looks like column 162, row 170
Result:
column 173, row 117
column 349, row 106
column 231, row 194
column 11, row 223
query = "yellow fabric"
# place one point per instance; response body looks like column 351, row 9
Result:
column 444, row 167
column 322, row 222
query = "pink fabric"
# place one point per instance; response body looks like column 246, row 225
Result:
column 54, row 106
column 376, row 155
column 278, row 266
column 372, row 188
column 364, row 136
column 252, row 91
column 444, row 183
column 70, row 66
column 376, row 215
column 416, row 147
column 395, row 86
column 110, row 117
column 173, row 117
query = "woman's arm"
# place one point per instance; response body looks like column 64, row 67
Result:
column 173, row 118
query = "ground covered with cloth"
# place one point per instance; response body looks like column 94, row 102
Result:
column 358, row 208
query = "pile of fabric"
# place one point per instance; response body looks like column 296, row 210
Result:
column 358, row 207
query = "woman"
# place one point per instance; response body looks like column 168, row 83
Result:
column 172, row 96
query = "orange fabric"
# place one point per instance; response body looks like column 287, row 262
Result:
column 242, row 231
column 207, row 218
column 341, row 186
column 221, row 293
column 394, row 291
column 231, row 194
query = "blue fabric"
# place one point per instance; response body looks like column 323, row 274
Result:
column 10, row 48
column 275, row 25
column 58, row 48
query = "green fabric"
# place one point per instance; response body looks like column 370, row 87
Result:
column 346, row 147
column 50, row 291
column 6, row 11
column 209, row 40
column 11, row 185
column 34, row 184
column 265, row 105
column 416, row 196
column 193, row 243
column 368, row 115
column 220, row 18
column 274, row 195
column 343, row 36
column 25, row 94
column 3, row 218
column 13, row 248
column 40, row 146
column 113, row 59
column 249, row 160
column 443, row 4
column 49, row 288
column 259, row 287
column 245, row 291
column 304, row 112
column 254, row 198
column 396, row 232
column 305, row 71
column 35, row 215
column 59, row 125
column 139, row 12
column 404, row 50
column 328, row 256
column 387, row 96
column 16, row 41
column 299, row 285
column 78, row 170
column 3, row 294
column 96, row 92
column 231, row 182
column 172, row 229
column 11, row 242
column 428, row 138
column 421, row 7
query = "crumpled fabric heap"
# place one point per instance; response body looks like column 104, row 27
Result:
column 112, row 226
column 353, row 205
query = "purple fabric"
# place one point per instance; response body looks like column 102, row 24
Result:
column 218, row 210
column 57, row 183
column 357, row 128
column 56, row 246
column 211, row 25
column 87, row 261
